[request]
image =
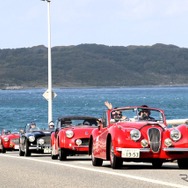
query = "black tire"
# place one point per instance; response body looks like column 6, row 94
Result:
column 21, row 153
column 95, row 161
column 3, row 149
column 157, row 164
column 62, row 154
column 116, row 162
column 27, row 152
column 54, row 157
column 183, row 163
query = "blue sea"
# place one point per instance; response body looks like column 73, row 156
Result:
column 19, row 107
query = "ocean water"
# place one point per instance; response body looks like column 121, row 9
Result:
column 19, row 107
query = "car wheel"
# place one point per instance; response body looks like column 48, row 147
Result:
column 183, row 163
column 54, row 157
column 157, row 163
column 3, row 149
column 27, row 152
column 62, row 154
column 21, row 153
column 96, row 161
column 116, row 162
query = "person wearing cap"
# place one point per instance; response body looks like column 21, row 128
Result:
column 51, row 125
column 32, row 126
column 144, row 114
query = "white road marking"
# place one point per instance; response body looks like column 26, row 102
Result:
column 101, row 171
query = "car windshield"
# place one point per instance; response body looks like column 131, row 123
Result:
column 79, row 122
column 10, row 131
column 138, row 114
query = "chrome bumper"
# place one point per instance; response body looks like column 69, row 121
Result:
column 175, row 149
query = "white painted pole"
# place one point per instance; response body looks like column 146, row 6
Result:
column 49, row 67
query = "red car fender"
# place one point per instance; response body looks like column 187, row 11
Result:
column 52, row 138
column 61, row 138
column 92, row 139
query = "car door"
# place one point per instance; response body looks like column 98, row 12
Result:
column 102, row 137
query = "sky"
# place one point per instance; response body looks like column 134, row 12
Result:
column 24, row 23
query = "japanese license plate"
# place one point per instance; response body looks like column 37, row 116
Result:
column 47, row 150
column 16, row 146
column 130, row 153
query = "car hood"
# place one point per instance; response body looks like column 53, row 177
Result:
column 39, row 133
column 10, row 136
column 140, row 125
column 79, row 128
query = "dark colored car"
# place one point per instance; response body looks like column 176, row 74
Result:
column 9, row 140
column 34, row 140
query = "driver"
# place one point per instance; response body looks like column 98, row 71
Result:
column 32, row 126
column 144, row 114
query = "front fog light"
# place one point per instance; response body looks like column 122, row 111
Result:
column 168, row 142
column 31, row 138
column 144, row 143
column 175, row 134
column 40, row 141
column 78, row 142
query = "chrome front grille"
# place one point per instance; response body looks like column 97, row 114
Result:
column 85, row 142
column 47, row 140
column 154, row 135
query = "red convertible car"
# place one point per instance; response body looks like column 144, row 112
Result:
column 9, row 140
column 138, row 134
column 72, row 136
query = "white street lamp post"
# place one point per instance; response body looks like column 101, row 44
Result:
column 49, row 91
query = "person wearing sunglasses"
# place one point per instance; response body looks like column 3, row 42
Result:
column 116, row 115
column 144, row 114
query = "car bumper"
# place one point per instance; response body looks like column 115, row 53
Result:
column 175, row 149
column 44, row 149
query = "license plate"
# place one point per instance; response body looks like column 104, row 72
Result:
column 130, row 153
column 47, row 150
column 16, row 147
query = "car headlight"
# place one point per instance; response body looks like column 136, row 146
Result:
column 175, row 134
column 135, row 134
column 78, row 142
column 6, row 139
column 69, row 133
column 31, row 138
column 40, row 141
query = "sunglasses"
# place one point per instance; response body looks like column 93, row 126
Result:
column 117, row 113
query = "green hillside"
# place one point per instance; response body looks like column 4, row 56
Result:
column 95, row 65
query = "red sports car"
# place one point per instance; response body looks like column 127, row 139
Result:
column 72, row 136
column 138, row 134
column 9, row 140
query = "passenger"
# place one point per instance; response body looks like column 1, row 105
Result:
column 117, row 114
column 8, row 132
column 86, row 122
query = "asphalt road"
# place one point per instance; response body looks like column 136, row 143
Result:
column 77, row 172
